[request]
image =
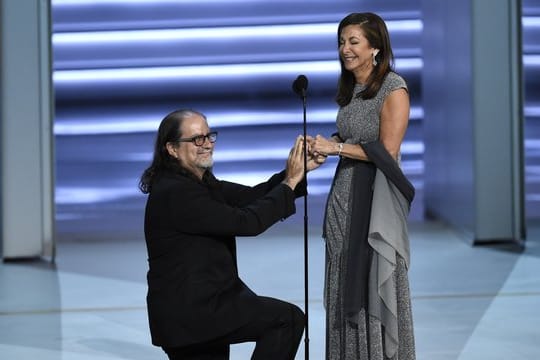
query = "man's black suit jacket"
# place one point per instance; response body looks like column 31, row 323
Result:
column 194, row 292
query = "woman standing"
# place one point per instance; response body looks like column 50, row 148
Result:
column 367, row 251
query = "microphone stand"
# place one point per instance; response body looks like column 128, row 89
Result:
column 306, row 296
column 300, row 87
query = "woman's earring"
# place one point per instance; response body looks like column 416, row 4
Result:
column 374, row 60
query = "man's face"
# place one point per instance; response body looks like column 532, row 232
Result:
column 195, row 158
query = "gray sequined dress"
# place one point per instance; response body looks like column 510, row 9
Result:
column 359, row 121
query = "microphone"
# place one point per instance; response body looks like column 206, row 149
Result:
column 300, row 85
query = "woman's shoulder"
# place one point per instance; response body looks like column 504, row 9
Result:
column 394, row 81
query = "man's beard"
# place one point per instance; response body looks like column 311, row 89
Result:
column 206, row 163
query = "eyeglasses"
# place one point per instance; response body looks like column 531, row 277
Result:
column 198, row 140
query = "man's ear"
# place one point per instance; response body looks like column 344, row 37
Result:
column 171, row 149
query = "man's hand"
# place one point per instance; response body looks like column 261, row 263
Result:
column 294, row 172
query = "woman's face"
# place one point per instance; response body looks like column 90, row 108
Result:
column 355, row 50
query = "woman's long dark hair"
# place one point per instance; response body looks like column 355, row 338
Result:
column 376, row 33
column 170, row 130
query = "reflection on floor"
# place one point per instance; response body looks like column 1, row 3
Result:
column 469, row 302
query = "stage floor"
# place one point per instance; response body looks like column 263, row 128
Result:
column 468, row 302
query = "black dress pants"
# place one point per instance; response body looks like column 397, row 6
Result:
column 276, row 330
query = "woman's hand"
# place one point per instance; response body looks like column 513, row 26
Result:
column 313, row 160
column 320, row 146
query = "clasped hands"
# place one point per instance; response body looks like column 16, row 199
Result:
column 316, row 156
